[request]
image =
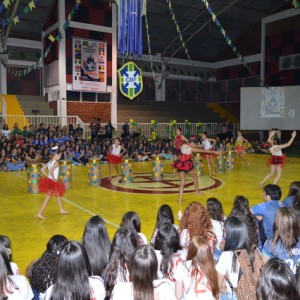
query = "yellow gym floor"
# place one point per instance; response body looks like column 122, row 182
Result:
column 29, row 234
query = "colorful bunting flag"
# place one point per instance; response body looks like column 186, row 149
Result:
column 58, row 37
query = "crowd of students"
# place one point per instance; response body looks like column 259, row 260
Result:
column 253, row 253
column 18, row 148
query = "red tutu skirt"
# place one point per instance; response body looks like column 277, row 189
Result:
column 277, row 160
column 184, row 164
column 51, row 187
column 113, row 159
column 240, row 149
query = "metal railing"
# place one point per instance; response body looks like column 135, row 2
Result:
column 34, row 120
column 163, row 130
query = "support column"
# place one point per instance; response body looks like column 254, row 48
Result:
column 114, row 92
column 62, row 103
column 263, row 52
column 3, row 80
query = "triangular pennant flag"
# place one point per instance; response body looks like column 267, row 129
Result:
column 31, row 5
column 51, row 37
column 6, row 3
column 16, row 20
column 26, row 9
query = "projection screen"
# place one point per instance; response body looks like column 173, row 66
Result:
column 274, row 107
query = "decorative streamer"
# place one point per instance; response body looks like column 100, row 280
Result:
column 58, row 38
column 172, row 13
column 226, row 37
column 130, row 14
column 149, row 50
column 15, row 20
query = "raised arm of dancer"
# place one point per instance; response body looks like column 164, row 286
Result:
column 196, row 149
column 270, row 139
column 289, row 143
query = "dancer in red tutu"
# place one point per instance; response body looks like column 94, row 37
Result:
column 277, row 160
column 178, row 142
column 50, row 184
column 114, row 157
column 185, row 166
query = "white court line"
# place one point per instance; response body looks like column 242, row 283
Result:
column 76, row 205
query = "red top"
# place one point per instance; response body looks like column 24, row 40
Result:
column 178, row 142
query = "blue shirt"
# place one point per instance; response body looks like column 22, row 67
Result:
column 289, row 201
column 280, row 251
column 268, row 211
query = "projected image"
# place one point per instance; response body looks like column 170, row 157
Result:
column 272, row 103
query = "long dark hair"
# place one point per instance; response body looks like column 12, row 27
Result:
column 5, row 271
column 277, row 282
column 97, row 245
column 241, row 210
column 123, row 245
column 44, row 271
column 237, row 239
column 164, row 215
column 199, row 253
column 72, row 273
column 5, row 241
column 295, row 192
column 168, row 242
column 215, row 209
column 143, row 270
column 131, row 221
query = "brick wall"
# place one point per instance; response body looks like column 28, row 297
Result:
column 86, row 111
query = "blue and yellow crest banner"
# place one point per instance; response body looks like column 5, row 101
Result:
column 130, row 80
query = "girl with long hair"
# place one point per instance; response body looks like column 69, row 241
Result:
column 217, row 216
column 286, row 243
column 114, row 157
column 124, row 243
column 168, row 251
column 197, row 276
column 196, row 221
column 236, row 240
column 43, row 272
column 97, row 245
column 277, row 160
column 164, row 215
column 241, row 210
column 51, row 185
column 12, row 286
column 74, row 280
column 5, row 241
column 143, row 276
column 132, row 221
column 294, row 195
column 277, row 282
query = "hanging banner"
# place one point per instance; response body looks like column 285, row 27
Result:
column 130, row 80
column 89, row 65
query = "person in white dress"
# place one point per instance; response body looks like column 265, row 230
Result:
column 277, row 160
column 74, row 280
column 143, row 275
column 51, row 185
column 208, row 144
column 12, row 287
column 114, row 157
